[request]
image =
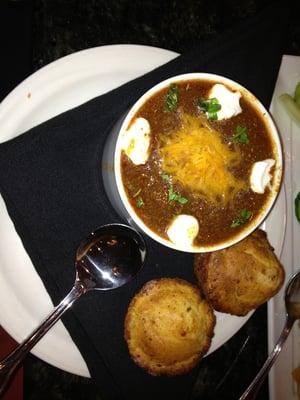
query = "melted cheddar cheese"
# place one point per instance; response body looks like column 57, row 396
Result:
column 199, row 160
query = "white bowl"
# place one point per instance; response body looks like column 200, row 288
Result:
column 111, row 166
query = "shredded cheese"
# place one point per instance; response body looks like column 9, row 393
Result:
column 198, row 159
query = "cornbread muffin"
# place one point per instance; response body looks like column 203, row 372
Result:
column 168, row 326
column 242, row 277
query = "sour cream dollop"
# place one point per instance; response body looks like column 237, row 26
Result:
column 230, row 101
column 136, row 141
column 260, row 175
column 183, row 230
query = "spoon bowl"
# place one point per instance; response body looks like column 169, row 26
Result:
column 107, row 259
column 292, row 297
column 292, row 306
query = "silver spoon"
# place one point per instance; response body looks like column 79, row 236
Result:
column 109, row 257
column 292, row 306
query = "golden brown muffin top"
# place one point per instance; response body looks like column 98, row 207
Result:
column 242, row 277
column 168, row 326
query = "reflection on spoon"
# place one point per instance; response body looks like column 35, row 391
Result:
column 107, row 259
column 292, row 306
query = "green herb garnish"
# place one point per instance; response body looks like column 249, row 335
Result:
column 172, row 195
column 211, row 107
column 244, row 216
column 241, row 135
column 297, row 206
column 166, row 178
column 140, row 202
column 172, row 98
column 175, row 196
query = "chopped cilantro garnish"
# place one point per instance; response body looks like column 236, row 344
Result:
column 211, row 107
column 172, row 98
column 244, row 216
column 140, row 202
column 166, row 178
column 241, row 135
column 174, row 196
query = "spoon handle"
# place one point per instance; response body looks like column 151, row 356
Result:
column 9, row 364
column 252, row 390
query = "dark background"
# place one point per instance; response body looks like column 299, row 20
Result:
column 35, row 33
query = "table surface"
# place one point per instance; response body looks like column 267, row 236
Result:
column 50, row 29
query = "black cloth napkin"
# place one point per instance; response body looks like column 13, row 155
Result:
column 50, row 179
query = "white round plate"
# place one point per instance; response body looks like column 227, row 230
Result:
column 59, row 86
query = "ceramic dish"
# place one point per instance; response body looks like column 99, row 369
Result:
column 113, row 150
column 281, row 382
